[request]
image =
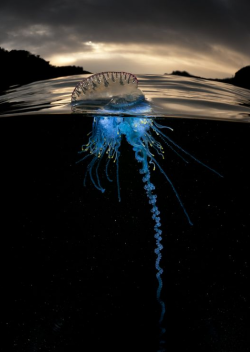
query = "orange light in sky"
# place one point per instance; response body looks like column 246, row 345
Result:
column 156, row 59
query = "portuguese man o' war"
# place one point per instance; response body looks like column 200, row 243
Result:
column 120, row 105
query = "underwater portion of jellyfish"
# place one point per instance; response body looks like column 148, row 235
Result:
column 119, row 92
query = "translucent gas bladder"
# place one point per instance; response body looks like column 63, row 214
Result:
column 117, row 87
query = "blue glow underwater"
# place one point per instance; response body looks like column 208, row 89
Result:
column 105, row 141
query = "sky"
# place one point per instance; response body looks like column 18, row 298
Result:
column 206, row 38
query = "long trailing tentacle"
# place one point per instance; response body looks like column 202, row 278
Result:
column 106, row 170
column 162, row 126
column 86, row 156
column 89, row 170
column 96, row 170
column 164, row 137
column 173, row 188
column 175, row 151
column 142, row 157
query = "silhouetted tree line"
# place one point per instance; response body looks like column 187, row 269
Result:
column 21, row 67
column 240, row 79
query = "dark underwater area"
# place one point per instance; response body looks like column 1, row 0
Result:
column 78, row 268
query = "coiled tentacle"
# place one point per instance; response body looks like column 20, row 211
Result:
column 141, row 157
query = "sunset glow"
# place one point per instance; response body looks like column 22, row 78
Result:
column 151, row 59
column 157, row 37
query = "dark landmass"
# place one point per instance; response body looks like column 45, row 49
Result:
column 240, row 79
column 22, row 67
column 19, row 67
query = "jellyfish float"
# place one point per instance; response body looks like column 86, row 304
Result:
column 122, row 112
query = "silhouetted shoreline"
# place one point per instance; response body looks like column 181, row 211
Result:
column 240, row 79
column 22, row 67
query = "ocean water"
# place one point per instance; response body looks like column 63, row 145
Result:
column 78, row 267
column 170, row 96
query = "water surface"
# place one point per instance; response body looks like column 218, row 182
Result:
column 169, row 96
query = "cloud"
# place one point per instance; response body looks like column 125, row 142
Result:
column 190, row 33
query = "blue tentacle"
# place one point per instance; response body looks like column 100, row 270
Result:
column 174, row 189
column 141, row 157
column 106, row 170
column 184, row 151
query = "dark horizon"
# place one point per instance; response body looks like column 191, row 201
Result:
column 241, row 78
column 22, row 67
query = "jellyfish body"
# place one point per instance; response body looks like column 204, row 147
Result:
column 105, row 140
column 112, row 88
